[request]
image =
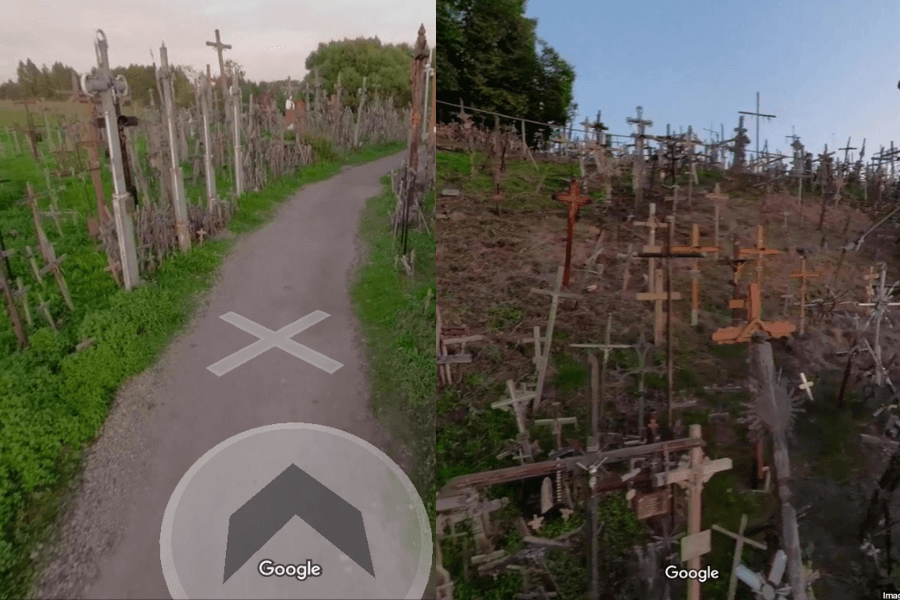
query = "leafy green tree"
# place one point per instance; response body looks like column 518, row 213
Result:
column 385, row 67
column 490, row 57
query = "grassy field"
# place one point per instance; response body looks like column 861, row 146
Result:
column 53, row 399
column 398, row 318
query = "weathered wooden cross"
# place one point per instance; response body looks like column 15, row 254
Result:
column 638, row 177
column 598, row 402
column 806, row 386
column 738, row 551
column 219, row 46
column 517, row 404
column 573, row 198
column 882, row 301
column 556, row 294
column 692, row 479
column 695, row 247
column 803, row 275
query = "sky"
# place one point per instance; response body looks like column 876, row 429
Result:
column 828, row 69
column 270, row 39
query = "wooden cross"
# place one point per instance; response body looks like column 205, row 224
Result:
column 638, row 178
column 573, row 198
column 538, row 342
column 516, row 404
column 556, row 294
column 719, row 199
column 652, row 223
column 870, row 280
column 738, row 550
column 44, row 307
column 21, row 294
column 692, row 479
column 557, row 425
column 53, row 266
column 759, row 251
column 11, row 308
column 31, row 133
column 882, row 301
column 803, row 275
column 43, row 242
column 33, row 262
column 743, row 333
column 201, row 233
column 806, row 386
column 219, row 46
column 695, row 247
column 597, row 400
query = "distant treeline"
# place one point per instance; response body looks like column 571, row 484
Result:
column 385, row 67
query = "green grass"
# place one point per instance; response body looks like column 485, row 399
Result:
column 398, row 318
column 53, row 400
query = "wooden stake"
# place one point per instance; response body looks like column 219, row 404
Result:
column 13, row 311
column 804, row 276
column 719, row 199
column 556, row 294
column 573, row 198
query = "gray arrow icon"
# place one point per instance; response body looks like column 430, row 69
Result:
column 295, row 493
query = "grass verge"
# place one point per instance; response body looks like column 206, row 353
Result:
column 54, row 400
column 397, row 315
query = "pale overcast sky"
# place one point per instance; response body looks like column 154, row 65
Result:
column 270, row 39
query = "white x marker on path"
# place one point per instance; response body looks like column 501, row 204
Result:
column 269, row 339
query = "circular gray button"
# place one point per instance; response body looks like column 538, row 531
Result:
column 295, row 510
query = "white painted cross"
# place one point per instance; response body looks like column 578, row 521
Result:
column 806, row 386
column 269, row 339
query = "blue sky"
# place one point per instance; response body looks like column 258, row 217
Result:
column 829, row 69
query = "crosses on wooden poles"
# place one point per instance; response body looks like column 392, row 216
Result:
column 882, row 301
column 179, row 201
column 638, row 177
column 219, row 46
column 695, row 247
column 573, row 198
column 517, row 404
column 598, row 403
column 692, row 478
column 123, row 204
column 556, row 294
column 557, row 424
column 759, row 251
column 803, row 275
column 756, row 114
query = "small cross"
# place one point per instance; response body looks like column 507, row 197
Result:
column 573, row 198
column 759, row 251
column 536, row 523
column 516, row 404
column 806, row 386
column 201, row 233
column 719, row 199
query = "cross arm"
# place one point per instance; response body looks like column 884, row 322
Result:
column 560, row 294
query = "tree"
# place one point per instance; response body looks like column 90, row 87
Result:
column 385, row 67
column 490, row 58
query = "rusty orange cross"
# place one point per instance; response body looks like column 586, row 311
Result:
column 575, row 200
column 757, row 252
column 744, row 333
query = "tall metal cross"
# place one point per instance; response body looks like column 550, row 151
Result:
column 573, row 198
column 219, row 46
column 756, row 114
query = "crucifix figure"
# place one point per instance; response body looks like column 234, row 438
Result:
column 573, row 198
column 219, row 46
column 638, row 179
